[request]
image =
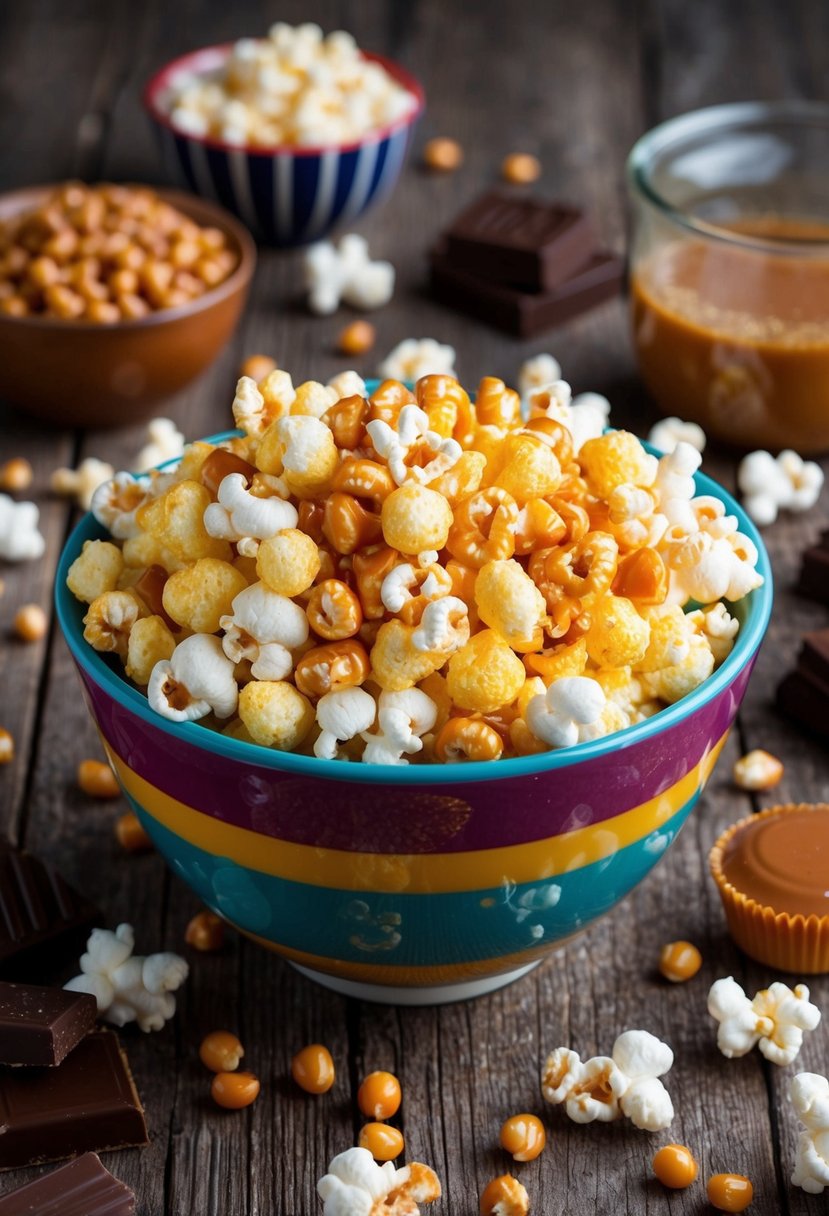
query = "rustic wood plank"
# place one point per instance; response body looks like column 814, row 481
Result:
column 574, row 87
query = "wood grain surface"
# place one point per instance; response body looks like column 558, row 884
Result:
column 575, row 84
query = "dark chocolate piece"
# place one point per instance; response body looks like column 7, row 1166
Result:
column 40, row 1026
column 89, row 1104
column 527, row 313
column 804, row 693
column 521, row 242
column 814, row 571
column 43, row 921
column 83, row 1187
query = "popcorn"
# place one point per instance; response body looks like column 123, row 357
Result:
column 164, row 442
column 757, row 770
column 372, row 578
column 264, row 627
column 129, row 987
column 809, row 1094
column 239, row 515
column 414, row 358
column 775, row 1019
column 413, row 432
column 342, row 716
column 668, row 432
column 402, row 717
column 356, row 1186
column 115, row 503
column 769, row 484
column 20, row 539
column 293, row 88
column 81, row 483
column 197, row 680
column 605, row 1087
column 536, row 372
column 570, row 706
column 348, row 384
column 346, row 272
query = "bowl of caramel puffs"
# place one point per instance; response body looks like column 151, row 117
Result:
column 113, row 297
column 412, row 685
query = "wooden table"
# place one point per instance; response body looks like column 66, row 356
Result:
column 576, row 84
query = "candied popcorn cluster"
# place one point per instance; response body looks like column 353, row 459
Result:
column 604, row 1087
column 407, row 576
column 295, row 87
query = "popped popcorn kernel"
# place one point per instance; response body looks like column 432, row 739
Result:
column 275, row 714
column 485, row 674
column 757, row 770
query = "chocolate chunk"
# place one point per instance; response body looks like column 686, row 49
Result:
column 83, row 1187
column 521, row 312
column 88, row 1104
column 40, row 1026
column 804, row 694
column 814, row 571
column 43, row 921
column 521, row 242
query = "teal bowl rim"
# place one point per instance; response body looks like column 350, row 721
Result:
column 91, row 661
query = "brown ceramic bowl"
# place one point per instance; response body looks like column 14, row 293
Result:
column 79, row 374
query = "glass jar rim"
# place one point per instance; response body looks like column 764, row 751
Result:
column 675, row 132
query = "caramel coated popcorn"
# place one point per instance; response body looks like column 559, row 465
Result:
column 406, row 577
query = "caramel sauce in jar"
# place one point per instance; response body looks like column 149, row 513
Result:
column 732, row 331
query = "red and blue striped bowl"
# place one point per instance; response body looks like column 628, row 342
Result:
column 421, row 884
column 286, row 196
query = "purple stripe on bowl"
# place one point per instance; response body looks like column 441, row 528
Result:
column 403, row 819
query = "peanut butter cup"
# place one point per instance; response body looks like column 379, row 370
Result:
column 772, row 872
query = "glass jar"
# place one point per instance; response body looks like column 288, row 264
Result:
column 729, row 266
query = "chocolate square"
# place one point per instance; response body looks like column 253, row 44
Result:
column 88, row 1104
column 521, row 242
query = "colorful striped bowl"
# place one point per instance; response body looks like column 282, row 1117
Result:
column 423, row 884
column 287, row 196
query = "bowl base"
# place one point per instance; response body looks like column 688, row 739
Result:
column 439, row 994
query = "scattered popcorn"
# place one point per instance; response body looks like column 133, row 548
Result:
column 605, row 1087
column 6, row 746
column 536, row 372
column 346, row 272
column 20, row 539
column 809, row 1095
column 775, row 1019
column 757, row 770
column 129, row 987
column 769, row 485
column 414, row 358
column 81, row 483
column 668, row 432
column 294, row 88
column 504, row 1196
column 356, row 1185
column 164, row 442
